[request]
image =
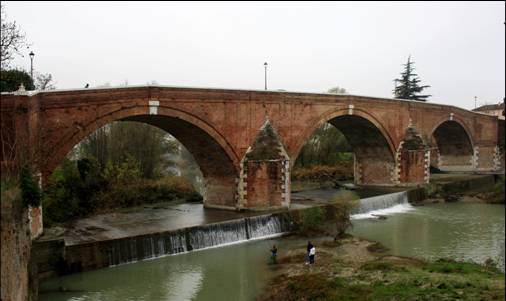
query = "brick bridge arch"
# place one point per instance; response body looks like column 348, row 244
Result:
column 212, row 152
column 452, row 145
column 373, row 146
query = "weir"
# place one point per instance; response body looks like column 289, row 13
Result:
column 382, row 204
column 101, row 254
column 105, row 253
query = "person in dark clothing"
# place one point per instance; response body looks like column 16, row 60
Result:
column 274, row 254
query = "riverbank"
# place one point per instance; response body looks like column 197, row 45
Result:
column 470, row 188
column 357, row 269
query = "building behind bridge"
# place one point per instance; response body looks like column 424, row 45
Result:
column 494, row 110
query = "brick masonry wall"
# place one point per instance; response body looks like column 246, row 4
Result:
column 15, row 248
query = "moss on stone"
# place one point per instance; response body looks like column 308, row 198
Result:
column 267, row 145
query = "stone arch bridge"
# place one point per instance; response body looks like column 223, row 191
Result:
column 394, row 141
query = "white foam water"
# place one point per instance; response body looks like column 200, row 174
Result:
column 387, row 204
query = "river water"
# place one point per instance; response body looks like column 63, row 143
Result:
column 462, row 231
column 234, row 272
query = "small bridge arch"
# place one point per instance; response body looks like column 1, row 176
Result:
column 452, row 146
column 373, row 147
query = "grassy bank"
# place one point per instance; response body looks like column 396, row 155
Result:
column 355, row 269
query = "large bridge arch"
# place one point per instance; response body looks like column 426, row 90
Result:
column 452, row 145
column 372, row 144
column 215, row 157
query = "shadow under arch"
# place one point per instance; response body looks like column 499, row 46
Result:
column 452, row 146
column 211, row 151
column 373, row 147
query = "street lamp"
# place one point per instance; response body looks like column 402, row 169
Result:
column 265, row 65
column 31, row 63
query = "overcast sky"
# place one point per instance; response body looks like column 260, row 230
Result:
column 458, row 48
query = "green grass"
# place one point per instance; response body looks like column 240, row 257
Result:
column 381, row 280
column 380, row 266
column 447, row 266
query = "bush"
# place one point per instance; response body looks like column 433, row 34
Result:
column 312, row 220
column 147, row 191
column 68, row 196
column 30, row 190
column 80, row 188
column 343, row 209
column 60, row 201
column 323, row 173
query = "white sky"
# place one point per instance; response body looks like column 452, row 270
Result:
column 458, row 48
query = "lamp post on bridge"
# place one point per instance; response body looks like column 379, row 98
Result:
column 31, row 65
column 265, row 66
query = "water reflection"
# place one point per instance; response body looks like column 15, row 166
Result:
column 235, row 272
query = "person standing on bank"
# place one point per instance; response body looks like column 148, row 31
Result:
column 312, row 253
column 274, row 254
column 309, row 246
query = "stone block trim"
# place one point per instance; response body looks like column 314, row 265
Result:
column 397, row 170
column 427, row 166
column 357, row 172
column 498, row 159
column 475, row 158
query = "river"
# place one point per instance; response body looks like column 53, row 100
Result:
column 461, row 231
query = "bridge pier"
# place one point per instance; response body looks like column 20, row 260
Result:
column 413, row 159
column 220, row 192
column 264, row 182
column 485, row 157
column 374, row 171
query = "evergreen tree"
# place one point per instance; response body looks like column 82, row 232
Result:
column 10, row 80
column 408, row 85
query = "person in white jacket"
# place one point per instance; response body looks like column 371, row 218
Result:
column 312, row 253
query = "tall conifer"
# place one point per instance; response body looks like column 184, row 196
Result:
column 407, row 87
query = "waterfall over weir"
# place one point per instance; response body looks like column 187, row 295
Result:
column 382, row 205
column 132, row 249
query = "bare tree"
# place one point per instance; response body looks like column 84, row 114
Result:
column 11, row 40
column 44, row 81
